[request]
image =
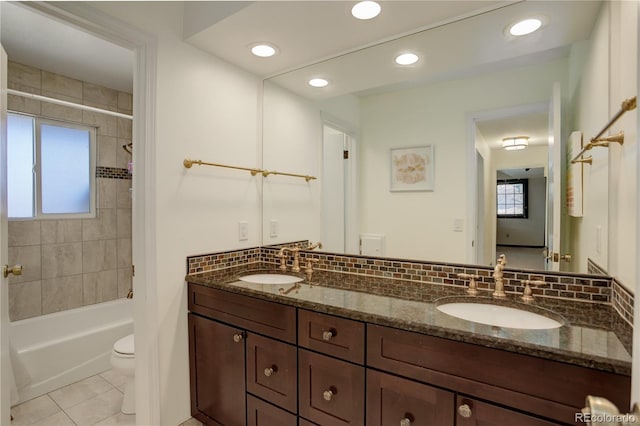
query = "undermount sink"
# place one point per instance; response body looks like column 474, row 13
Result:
column 271, row 279
column 498, row 315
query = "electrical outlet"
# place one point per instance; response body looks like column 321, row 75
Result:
column 243, row 231
column 273, row 228
column 458, row 225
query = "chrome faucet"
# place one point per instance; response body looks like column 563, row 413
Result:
column 498, row 291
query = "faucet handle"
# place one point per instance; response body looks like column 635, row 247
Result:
column 473, row 289
column 309, row 266
column 527, row 295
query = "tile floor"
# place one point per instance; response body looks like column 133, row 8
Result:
column 522, row 257
column 93, row 401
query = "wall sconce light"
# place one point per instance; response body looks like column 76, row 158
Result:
column 517, row 142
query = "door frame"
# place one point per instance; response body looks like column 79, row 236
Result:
column 146, row 328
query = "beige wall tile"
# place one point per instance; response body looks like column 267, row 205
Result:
column 123, row 195
column 124, row 128
column 59, row 294
column 124, row 281
column 106, row 193
column 98, row 255
column 24, row 75
column 20, row 104
column 99, row 95
column 101, row 228
column 106, row 124
column 122, row 156
column 125, row 103
column 59, row 84
column 60, row 112
column 124, row 223
column 61, row 260
column 25, row 300
column 107, row 147
column 30, row 259
column 24, row 232
column 124, row 253
column 61, row 231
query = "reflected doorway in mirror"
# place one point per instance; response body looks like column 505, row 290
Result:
column 412, row 169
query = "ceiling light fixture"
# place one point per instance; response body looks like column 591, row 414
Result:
column 516, row 142
column 526, row 26
column 407, row 59
column 263, row 50
column 366, row 10
column 318, row 82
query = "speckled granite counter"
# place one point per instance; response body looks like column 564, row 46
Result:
column 587, row 338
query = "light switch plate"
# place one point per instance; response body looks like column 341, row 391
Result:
column 273, row 228
column 458, row 225
column 243, row 231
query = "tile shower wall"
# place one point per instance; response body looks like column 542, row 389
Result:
column 75, row 262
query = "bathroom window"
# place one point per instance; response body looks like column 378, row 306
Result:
column 512, row 198
column 51, row 169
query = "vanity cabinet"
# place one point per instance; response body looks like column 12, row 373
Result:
column 256, row 362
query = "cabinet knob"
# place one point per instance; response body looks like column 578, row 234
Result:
column 327, row 335
column 405, row 422
column 328, row 394
column 465, row 411
column 238, row 337
column 269, row 371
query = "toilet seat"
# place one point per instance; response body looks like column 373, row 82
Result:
column 124, row 347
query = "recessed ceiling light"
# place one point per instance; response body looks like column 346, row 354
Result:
column 263, row 50
column 366, row 10
column 526, row 26
column 407, row 59
column 318, row 82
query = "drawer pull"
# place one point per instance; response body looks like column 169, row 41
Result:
column 465, row 411
column 405, row 422
column 269, row 371
column 328, row 394
column 328, row 335
column 238, row 337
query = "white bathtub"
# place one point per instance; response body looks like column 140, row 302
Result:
column 54, row 350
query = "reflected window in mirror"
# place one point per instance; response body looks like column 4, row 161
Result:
column 511, row 195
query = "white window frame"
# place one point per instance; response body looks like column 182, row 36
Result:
column 37, row 181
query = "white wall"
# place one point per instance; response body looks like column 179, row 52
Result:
column 435, row 114
column 610, row 189
column 206, row 109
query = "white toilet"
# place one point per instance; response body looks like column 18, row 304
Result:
column 123, row 361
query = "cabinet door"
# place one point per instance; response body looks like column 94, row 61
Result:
column 260, row 413
column 216, row 355
column 471, row 412
column 393, row 401
column 272, row 371
column 331, row 391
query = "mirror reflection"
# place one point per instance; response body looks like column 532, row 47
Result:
column 448, row 115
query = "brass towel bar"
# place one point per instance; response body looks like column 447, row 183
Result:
column 187, row 163
column 597, row 140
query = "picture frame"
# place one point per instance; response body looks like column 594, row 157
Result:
column 412, row 168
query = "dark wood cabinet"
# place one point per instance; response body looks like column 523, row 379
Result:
column 331, row 390
column 217, row 372
column 392, row 400
column 272, row 371
column 260, row 413
column 331, row 335
column 471, row 412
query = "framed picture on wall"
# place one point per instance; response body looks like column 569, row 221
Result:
column 412, row 168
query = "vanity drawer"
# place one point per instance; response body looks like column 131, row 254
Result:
column 260, row 413
column 331, row 391
column 541, row 386
column 339, row 337
column 272, row 370
column 269, row 318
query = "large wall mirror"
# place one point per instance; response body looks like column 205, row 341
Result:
column 443, row 119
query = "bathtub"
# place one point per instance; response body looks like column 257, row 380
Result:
column 54, row 350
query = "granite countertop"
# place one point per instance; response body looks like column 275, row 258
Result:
column 586, row 339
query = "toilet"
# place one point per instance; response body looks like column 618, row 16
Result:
column 123, row 361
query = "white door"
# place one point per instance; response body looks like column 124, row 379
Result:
column 333, row 197
column 554, row 182
column 5, row 365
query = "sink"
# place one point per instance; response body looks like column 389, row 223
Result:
column 271, row 279
column 498, row 315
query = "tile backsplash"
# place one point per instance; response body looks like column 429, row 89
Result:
column 585, row 288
